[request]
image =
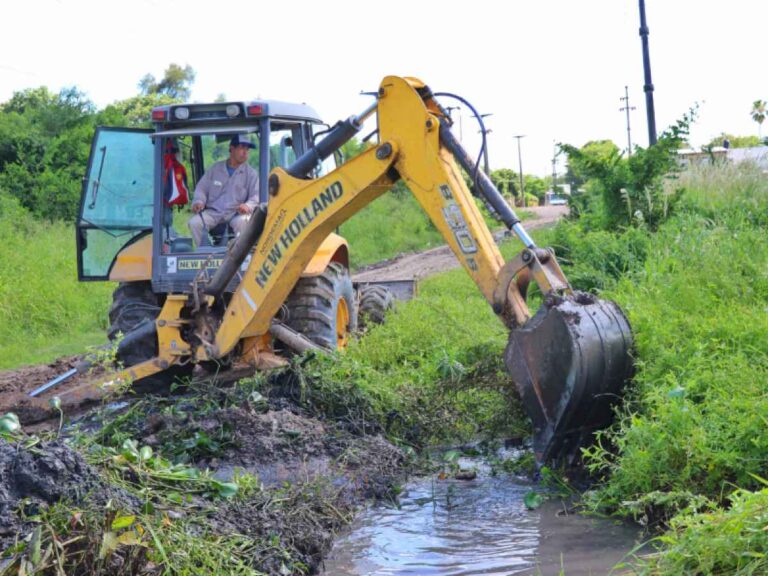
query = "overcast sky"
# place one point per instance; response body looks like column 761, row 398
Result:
column 553, row 70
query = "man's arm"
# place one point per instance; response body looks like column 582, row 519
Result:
column 201, row 190
column 253, row 190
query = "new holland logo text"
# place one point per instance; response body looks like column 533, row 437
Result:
column 295, row 228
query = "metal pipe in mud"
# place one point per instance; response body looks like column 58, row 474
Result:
column 54, row 382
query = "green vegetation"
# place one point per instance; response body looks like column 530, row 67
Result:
column 689, row 441
column 433, row 372
column 44, row 311
column 390, row 225
column 730, row 541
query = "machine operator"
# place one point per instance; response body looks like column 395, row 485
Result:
column 227, row 193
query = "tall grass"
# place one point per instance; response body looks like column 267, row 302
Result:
column 695, row 425
column 44, row 311
column 689, row 442
column 433, row 372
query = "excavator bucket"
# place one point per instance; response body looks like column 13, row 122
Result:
column 569, row 363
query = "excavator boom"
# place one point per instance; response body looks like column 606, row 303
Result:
column 569, row 361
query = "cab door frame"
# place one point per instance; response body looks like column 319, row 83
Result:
column 89, row 185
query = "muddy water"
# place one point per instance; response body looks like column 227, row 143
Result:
column 481, row 526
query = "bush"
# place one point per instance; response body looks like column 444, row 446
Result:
column 732, row 541
column 632, row 190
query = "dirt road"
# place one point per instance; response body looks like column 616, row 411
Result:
column 422, row 264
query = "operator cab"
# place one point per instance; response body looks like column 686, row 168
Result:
column 133, row 219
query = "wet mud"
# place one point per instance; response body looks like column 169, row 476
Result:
column 37, row 475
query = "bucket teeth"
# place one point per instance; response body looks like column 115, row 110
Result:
column 569, row 363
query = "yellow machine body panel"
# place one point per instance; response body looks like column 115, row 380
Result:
column 134, row 262
column 333, row 249
column 302, row 213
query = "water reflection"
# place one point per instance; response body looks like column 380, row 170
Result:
column 449, row 527
column 455, row 527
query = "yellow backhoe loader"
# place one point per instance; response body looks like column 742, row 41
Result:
column 285, row 279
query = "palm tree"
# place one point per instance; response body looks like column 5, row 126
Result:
column 758, row 115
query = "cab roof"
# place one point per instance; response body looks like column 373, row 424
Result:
column 191, row 114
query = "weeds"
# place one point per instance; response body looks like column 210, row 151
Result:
column 730, row 541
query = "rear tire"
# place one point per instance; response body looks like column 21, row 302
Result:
column 376, row 302
column 323, row 309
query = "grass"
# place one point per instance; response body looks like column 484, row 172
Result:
column 693, row 428
column 433, row 372
column 44, row 311
column 392, row 224
column 730, row 541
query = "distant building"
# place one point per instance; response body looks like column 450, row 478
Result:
column 758, row 155
column 690, row 157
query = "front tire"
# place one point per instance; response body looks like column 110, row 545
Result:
column 134, row 309
column 323, row 308
column 133, row 305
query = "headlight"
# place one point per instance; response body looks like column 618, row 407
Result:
column 181, row 113
column 233, row 110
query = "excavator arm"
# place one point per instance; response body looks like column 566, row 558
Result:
column 568, row 361
column 411, row 147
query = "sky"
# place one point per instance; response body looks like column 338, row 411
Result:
column 551, row 70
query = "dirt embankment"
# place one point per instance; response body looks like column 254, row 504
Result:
column 312, row 474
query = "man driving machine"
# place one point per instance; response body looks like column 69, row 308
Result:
column 227, row 193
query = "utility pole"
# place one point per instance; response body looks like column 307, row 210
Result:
column 554, row 168
column 627, row 107
column 648, row 86
column 485, row 131
column 450, row 114
column 520, row 163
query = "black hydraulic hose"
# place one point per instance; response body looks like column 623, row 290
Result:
column 337, row 136
column 237, row 254
column 473, row 173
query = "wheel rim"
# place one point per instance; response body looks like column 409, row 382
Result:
column 342, row 321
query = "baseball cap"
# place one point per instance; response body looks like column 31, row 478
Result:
column 241, row 140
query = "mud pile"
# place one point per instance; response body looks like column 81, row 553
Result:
column 35, row 477
column 281, row 445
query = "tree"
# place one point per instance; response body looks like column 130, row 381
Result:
column 736, row 141
column 505, row 179
column 534, row 186
column 758, row 115
column 135, row 111
column 176, row 82
column 44, row 144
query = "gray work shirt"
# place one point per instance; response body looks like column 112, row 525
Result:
column 222, row 194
